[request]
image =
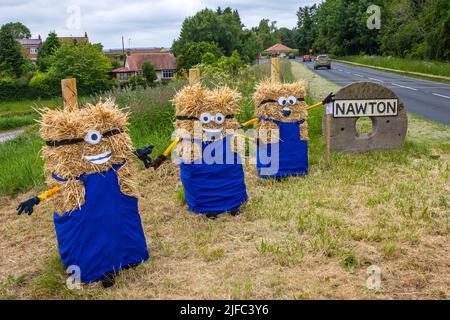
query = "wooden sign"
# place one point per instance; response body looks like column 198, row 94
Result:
column 371, row 100
column 365, row 108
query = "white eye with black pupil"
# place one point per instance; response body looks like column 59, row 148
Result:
column 292, row 100
column 282, row 101
column 205, row 118
column 220, row 118
column 93, row 137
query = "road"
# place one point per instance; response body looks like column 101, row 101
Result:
column 5, row 136
column 426, row 98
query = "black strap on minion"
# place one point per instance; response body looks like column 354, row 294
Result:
column 92, row 137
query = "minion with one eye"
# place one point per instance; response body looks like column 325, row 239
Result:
column 210, row 166
column 87, row 156
column 282, row 131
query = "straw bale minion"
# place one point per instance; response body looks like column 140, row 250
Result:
column 210, row 167
column 281, row 115
column 87, row 156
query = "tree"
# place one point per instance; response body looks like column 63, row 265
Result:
column 11, row 55
column 149, row 73
column 191, row 54
column 49, row 47
column 222, row 28
column 84, row 62
column 18, row 30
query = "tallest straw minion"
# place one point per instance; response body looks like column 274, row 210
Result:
column 87, row 156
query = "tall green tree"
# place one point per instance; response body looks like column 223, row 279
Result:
column 191, row 53
column 11, row 54
column 18, row 30
column 49, row 47
column 84, row 62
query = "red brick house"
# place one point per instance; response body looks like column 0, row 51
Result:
column 31, row 47
column 164, row 63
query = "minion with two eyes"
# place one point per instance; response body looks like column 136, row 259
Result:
column 210, row 166
column 282, row 131
column 87, row 157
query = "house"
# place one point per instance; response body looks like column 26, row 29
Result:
column 74, row 39
column 164, row 63
column 31, row 47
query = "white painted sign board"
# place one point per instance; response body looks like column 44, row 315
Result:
column 365, row 108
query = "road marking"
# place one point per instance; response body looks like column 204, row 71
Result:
column 347, row 72
column 340, row 70
column 358, row 75
column 374, row 79
column 440, row 95
column 399, row 85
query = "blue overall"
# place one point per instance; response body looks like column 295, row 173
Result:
column 292, row 152
column 213, row 184
column 105, row 234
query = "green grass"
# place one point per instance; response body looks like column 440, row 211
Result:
column 21, row 167
column 422, row 66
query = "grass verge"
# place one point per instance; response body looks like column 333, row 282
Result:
column 423, row 67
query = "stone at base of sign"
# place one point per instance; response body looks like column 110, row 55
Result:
column 388, row 132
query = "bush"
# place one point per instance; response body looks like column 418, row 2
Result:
column 43, row 86
column 209, row 58
column 7, row 88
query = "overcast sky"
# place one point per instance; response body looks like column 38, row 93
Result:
column 148, row 23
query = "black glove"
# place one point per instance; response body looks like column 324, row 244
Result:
column 158, row 161
column 143, row 155
column 27, row 206
column 328, row 99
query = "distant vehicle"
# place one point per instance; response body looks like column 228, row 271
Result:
column 291, row 56
column 283, row 55
column 307, row 58
column 322, row 61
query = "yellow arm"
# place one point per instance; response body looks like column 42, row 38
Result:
column 171, row 146
column 250, row 122
column 315, row 106
column 47, row 194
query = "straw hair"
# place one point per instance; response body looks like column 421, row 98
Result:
column 268, row 90
column 67, row 161
column 194, row 100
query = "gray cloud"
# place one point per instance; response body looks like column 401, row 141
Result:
column 146, row 23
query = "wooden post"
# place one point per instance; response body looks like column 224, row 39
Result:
column 275, row 70
column 328, row 141
column 69, row 93
column 194, row 76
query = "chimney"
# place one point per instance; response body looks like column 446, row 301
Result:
column 85, row 34
column 39, row 37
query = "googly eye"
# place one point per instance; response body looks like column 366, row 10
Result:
column 282, row 101
column 292, row 100
column 93, row 137
column 219, row 118
column 205, row 118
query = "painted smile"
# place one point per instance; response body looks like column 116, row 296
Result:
column 99, row 158
column 212, row 134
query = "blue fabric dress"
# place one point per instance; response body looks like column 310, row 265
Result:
column 105, row 234
column 288, row 157
column 215, row 183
